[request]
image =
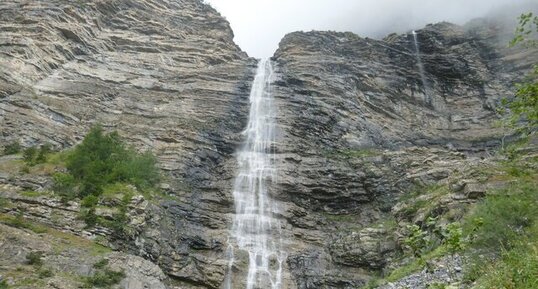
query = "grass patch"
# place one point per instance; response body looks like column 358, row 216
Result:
column 516, row 268
column 34, row 259
column 359, row 153
column 348, row 218
column 406, row 270
column 11, row 166
column 70, row 240
column 103, row 278
column 33, row 282
column 352, row 153
column 415, row 265
column 20, row 222
column 503, row 217
column 34, row 194
column 5, row 203
column 503, row 234
column 422, row 198
column 12, row 148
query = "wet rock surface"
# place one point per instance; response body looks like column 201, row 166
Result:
column 359, row 130
column 167, row 76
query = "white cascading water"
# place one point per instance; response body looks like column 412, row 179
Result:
column 255, row 228
column 421, row 67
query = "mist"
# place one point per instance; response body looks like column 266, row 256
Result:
column 259, row 25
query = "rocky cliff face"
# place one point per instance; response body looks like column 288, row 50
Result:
column 358, row 130
column 165, row 74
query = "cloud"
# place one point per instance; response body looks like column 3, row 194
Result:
column 260, row 24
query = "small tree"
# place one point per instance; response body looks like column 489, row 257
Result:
column 103, row 159
column 12, row 148
column 524, row 106
column 29, row 155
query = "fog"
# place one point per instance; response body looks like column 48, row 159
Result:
column 260, row 24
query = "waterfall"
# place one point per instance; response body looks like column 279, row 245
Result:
column 255, row 228
column 421, row 67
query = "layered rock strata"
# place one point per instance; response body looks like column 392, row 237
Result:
column 167, row 76
column 358, row 129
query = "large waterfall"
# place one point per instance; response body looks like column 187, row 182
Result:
column 255, row 228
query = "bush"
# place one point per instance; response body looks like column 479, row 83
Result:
column 516, row 268
column 34, row 258
column 33, row 156
column 103, row 279
column 43, row 152
column 103, row 159
column 12, row 148
column 64, row 185
column 29, row 155
column 101, row 264
column 89, row 217
column 503, row 217
column 454, row 237
column 503, row 232
column 89, row 201
column 416, row 240
column 25, row 169
column 3, row 284
column 45, row 273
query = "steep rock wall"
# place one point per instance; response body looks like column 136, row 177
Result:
column 359, row 129
column 167, row 76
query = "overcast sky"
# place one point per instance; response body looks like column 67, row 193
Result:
column 260, row 24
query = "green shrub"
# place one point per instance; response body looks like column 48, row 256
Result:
column 103, row 159
column 503, row 217
column 89, row 217
column 503, row 233
column 34, row 258
column 100, row 264
column 29, row 155
column 89, row 201
column 4, row 203
column 45, row 273
column 453, row 237
column 437, row 285
column 104, row 279
column 43, row 152
column 64, row 185
column 12, row 148
column 3, row 284
column 20, row 222
column 517, row 268
column 120, row 220
column 33, row 156
column 25, row 169
column 416, row 240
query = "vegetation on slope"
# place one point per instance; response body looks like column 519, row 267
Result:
column 498, row 236
column 102, row 171
column 524, row 106
column 103, row 159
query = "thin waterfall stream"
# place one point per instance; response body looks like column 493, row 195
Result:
column 255, row 228
column 421, row 67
